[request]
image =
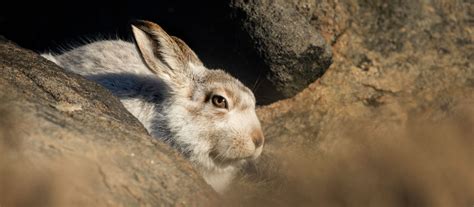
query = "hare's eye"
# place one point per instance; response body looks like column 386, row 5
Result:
column 219, row 101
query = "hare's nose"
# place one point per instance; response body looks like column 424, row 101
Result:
column 257, row 137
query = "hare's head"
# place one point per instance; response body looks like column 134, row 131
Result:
column 209, row 114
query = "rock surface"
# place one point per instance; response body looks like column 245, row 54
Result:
column 81, row 144
column 292, row 50
column 393, row 61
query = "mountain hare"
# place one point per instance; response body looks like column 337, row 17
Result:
column 207, row 115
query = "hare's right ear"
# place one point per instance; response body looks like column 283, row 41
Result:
column 167, row 56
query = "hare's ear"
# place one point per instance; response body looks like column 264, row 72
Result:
column 167, row 56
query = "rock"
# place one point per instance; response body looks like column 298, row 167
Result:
column 292, row 50
column 66, row 141
column 394, row 62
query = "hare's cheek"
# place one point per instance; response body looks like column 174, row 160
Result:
column 236, row 147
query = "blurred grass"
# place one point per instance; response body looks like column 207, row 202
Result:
column 420, row 164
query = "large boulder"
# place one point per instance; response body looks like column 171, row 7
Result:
column 66, row 141
column 293, row 52
column 398, row 66
column 391, row 60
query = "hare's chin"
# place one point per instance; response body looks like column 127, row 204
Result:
column 224, row 161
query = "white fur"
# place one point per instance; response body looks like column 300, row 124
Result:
column 167, row 96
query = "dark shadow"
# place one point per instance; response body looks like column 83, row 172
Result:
column 146, row 88
column 129, row 85
column 206, row 26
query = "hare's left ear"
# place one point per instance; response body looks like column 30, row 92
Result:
column 165, row 55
